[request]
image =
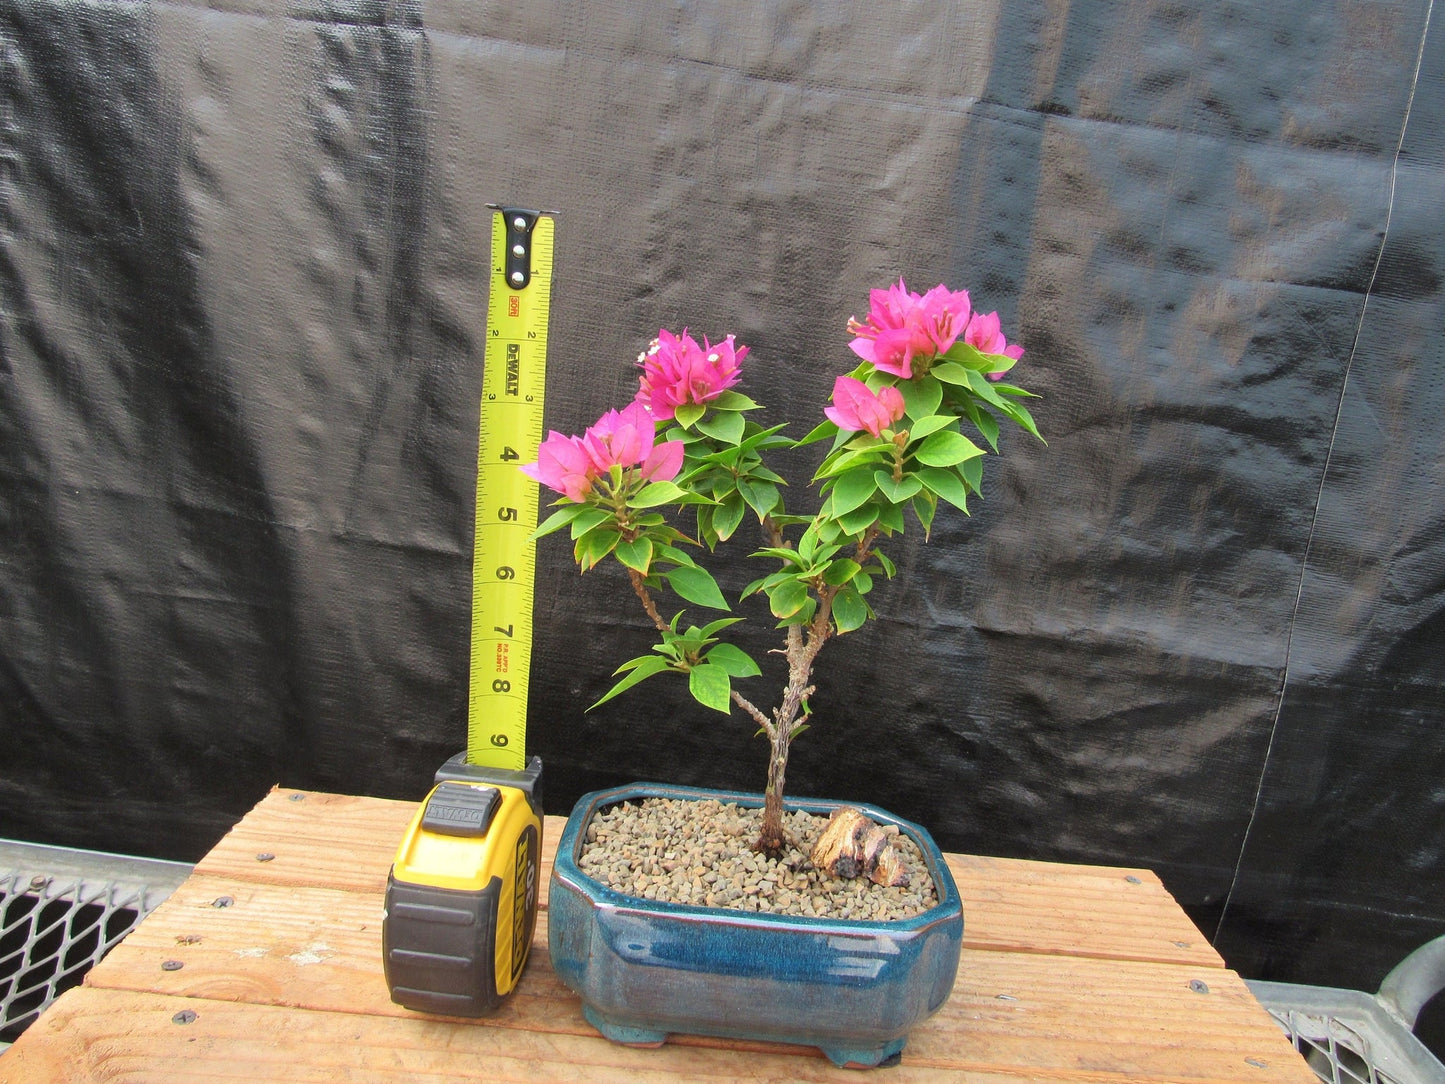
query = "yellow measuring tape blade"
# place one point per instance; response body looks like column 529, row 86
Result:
column 504, row 563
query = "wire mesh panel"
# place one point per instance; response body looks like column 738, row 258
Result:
column 60, row 912
column 1347, row 1036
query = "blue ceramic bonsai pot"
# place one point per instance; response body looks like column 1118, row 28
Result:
column 645, row 969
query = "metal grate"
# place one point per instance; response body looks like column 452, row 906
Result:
column 61, row 910
column 1347, row 1036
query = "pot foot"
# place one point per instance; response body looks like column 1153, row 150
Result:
column 866, row 1057
column 624, row 1034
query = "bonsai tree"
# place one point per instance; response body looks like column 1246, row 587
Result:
column 930, row 368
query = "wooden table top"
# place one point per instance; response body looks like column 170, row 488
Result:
column 1070, row 973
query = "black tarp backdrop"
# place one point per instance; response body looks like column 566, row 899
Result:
column 243, row 265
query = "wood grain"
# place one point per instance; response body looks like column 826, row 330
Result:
column 1072, row 973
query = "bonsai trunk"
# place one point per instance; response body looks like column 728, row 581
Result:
column 801, row 651
column 771, row 840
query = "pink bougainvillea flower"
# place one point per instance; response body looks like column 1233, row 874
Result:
column 564, row 465
column 944, row 314
column 903, row 326
column 984, row 333
column 625, row 437
column 855, row 407
column 622, row 438
column 676, row 371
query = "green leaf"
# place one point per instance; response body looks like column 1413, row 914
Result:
column 889, row 568
column 971, row 471
column 557, row 520
column 985, row 422
column 849, row 610
column 638, row 670
column 852, row 489
column 803, row 616
column 946, row 449
column 850, row 460
column 1004, row 388
column 635, row 554
column 998, row 363
column 950, row 372
column 726, row 426
column 859, row 520
column 787, row 598
column 946, row 484
column 924, row 505
column 764, row 439
column 841, row 571
column 898, row 491
column 762, row 497
column 890, row 518
column 980, row 386
column 766, row 583
column 725, row 518
column 969, row 356
column 737, row 662
column 921, row 397
column 821, row 431
column 655, row 493
column 782, row 553
column 688, row 414
column 733, row 400
column 721, row 623
column 930, row 424
column 696, row 585
column 587, row 519
column 595, row 545
column 673, row 554
column 711, row 687
column 1020, row 415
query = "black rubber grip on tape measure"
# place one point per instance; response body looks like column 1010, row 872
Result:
column 438, row 948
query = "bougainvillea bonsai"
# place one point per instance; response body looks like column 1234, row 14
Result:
column 896, row 421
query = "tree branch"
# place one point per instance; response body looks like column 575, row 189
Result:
column 646, row 597
column 748, row 706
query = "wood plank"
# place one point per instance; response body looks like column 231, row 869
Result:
column 343, row 842
column 326, row 840
column 302, row 947
column 1134, row 1020
column 1021, row 906
column 96, row 1034
column 319, row 950
column 93, row 1035
column 267, row 944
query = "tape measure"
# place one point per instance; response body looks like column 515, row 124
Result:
column 504, row 562
column 461, row 897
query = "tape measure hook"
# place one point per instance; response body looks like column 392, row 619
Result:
column 520, row 223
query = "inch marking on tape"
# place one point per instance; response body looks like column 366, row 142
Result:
column 504, row 563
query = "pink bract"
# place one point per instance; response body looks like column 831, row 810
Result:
column 563, row 465
column 903, row 326
column 623, row 438
column 855, row 407
column 985, row 334
column 676, row 371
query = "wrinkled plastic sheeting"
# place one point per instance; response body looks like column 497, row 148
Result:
column 244, row 279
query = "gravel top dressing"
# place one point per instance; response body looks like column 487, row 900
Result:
column 699, row 852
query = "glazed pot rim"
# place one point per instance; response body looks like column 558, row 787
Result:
column 570, row 846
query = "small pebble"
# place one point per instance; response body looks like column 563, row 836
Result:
column 699, row 853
